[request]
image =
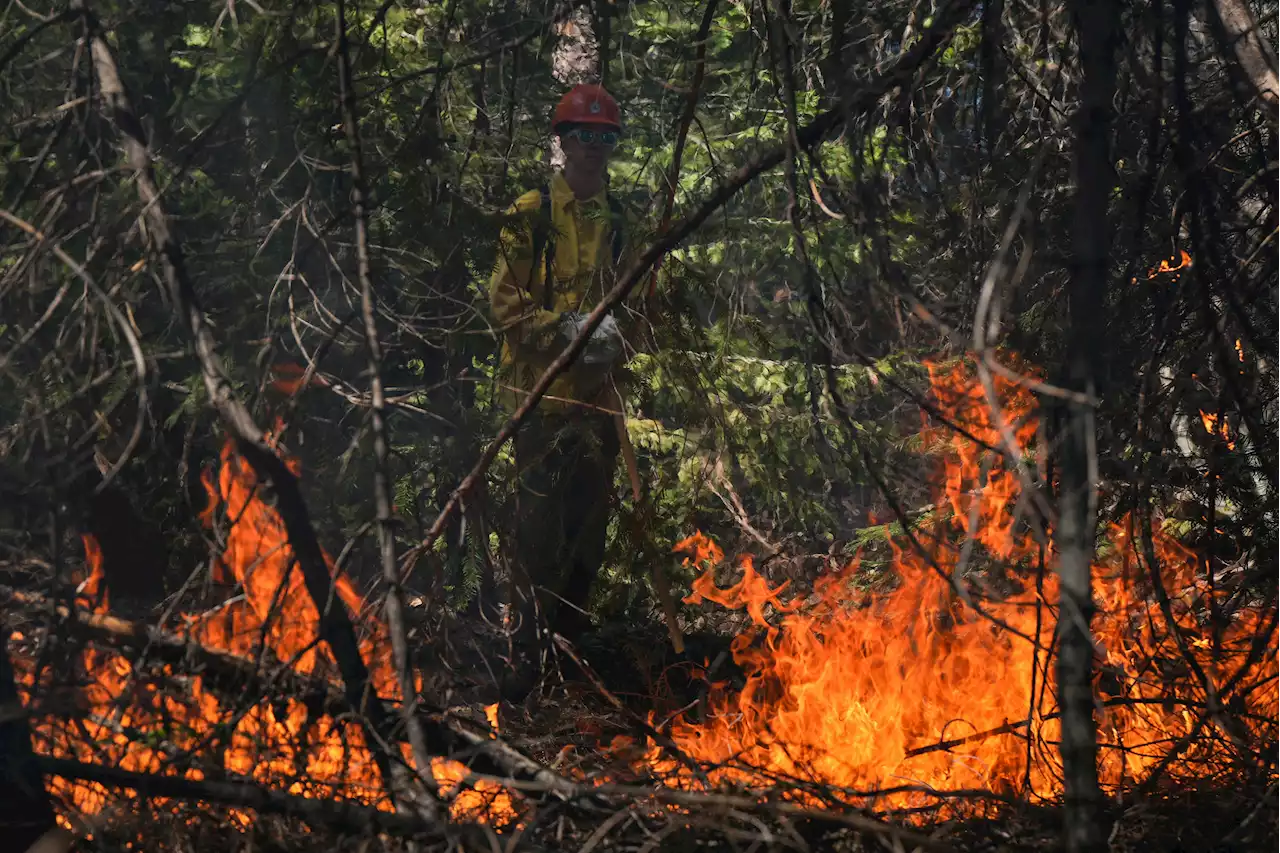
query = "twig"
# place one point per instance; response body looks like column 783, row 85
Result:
column 219, row 668
column 26, row 38
column 558, row 15
column 393, row 601
column 755, row 806
column 126, row 329
column 667, row 743
column 863, row 99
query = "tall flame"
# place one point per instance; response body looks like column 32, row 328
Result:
column 914, row 687
column 137, row 722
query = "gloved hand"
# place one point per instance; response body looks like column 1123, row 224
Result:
column 605, row 345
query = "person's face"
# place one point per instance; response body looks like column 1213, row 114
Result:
column 589, row 146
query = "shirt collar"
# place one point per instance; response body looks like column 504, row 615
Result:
column 562, row 196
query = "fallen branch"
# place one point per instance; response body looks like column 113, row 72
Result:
column 451, row 736
column 640, row 722
column 352, row 818
column 218, row 668
column 334, row 814
column 1013, row 727
column 851, row 820
column 901, row 72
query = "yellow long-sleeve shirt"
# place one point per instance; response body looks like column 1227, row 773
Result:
column 582, row 271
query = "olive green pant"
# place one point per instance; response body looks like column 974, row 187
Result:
column 565, row 466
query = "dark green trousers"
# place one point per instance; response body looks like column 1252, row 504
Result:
column 566, row 466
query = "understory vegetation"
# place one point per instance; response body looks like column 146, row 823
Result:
column 957, row 443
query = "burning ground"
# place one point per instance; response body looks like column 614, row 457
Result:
column 929, row 698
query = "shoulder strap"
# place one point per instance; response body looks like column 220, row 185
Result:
column 544, row 240
column 544, row 247
column 619, row 229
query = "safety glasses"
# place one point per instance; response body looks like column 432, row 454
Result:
column 607, row 138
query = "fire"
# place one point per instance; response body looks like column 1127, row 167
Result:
column 1173, row 265
column 1216, row 426
column 1182, row 261
column 91, row 594
column 140, row 723
column 292, row 378
column 871, row 691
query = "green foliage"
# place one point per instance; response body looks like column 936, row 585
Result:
column 737, row 432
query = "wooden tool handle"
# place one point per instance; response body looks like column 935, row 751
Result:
column 660, row 583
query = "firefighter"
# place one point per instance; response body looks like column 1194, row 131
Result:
column 556, row 261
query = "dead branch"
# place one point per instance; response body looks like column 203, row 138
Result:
column 393, row 601
column 856, row 102
column 686, row 119
column 26, row 38
column 667, row 743
column 1098, row 33
column 851, row 820
column 334, row 814
column 335, row 623
column 219, row 668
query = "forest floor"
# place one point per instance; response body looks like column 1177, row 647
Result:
column 634, row 675
column 634, row 679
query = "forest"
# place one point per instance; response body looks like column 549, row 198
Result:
column 930, row 504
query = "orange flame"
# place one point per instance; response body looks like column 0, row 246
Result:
column 92, row 592
column 1182, row 261
column 869, row 691
column 138, row 725
column 290, row 378
column 1216, row 426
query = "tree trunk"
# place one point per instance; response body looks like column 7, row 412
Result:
column 26, row 818
column 604, row 34
column 1239, row 34
column 575, row 59
column 1097, row 24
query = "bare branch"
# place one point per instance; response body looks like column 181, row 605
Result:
column 334, row 814
column 335, row 623
column 382, row 497
column 448, row 735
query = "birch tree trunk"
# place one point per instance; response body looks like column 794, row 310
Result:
column 1239, row 34
column 575, row 59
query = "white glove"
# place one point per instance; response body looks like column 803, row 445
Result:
column 605, row 344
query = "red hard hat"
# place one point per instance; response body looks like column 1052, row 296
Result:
column 587, row 103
